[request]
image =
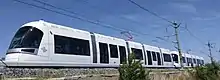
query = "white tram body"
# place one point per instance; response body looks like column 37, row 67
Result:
column 137, row 48
column 166, row 58
column 201, row 61
column 152, row 53
column 44, row 44
column 184, row 59
column 188, row 60
column 194, row 60
column 198, row 61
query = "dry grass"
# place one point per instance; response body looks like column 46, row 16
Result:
column 175, row 75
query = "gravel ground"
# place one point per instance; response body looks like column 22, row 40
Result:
column 52, row 73
column 80, row 74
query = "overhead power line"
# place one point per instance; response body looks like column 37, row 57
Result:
column 75, row 17
column 86, row 19
column 190, row 33
column 108, row 12
column 175, row 26
column 56, row 7
column 80, row 17
column 84, row 2
column 194, row 36
column 150, row 11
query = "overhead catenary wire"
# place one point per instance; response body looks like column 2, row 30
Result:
column 173, row 23
column 96, row 21
column 140, row 24
column 80, row 18
column 163, row 18
column 79, row 14
column 175, row 26
column 150, row 12
column 195, row 37
column 108, row 12
column 145, row 9
column 190, row 33
column 83, row 19
column 75, row 17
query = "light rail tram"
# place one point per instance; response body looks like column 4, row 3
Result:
column 44, row 44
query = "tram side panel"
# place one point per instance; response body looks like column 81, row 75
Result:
column 70, row 47
column 137, row 49
column 110, row 51
column 167, row 58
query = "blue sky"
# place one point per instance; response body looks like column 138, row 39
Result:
column 201, row 17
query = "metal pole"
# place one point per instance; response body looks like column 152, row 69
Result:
column 178, row 44
column 210, row 52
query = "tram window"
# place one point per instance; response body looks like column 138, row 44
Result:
column 198, row 61
column 154, row 56
column 104, row 54
column 113, row 51
column 189, row 60
column 72, row 46
column 194, row 60
column 167, row 57
column 175, row 58
column 202, row 61
column 149, row 58
column 122, row 51
column 158, row 58
column 27, row 37
column 184, row 60
column 138, row 53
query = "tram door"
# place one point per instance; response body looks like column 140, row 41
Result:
column 122, row 51
column 104, row 57
column 149, row 58
column 158, row 58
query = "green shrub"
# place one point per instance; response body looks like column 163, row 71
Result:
column 209, row 71
column 133, row 70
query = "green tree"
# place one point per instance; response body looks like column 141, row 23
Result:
column 132, row 69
